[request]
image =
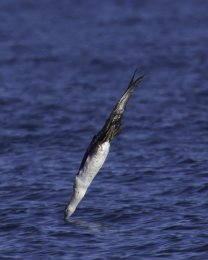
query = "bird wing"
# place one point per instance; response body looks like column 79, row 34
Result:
column 112, row 125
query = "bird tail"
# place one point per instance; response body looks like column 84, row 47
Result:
column 112, row 126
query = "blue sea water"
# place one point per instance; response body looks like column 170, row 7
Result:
column 63, row 66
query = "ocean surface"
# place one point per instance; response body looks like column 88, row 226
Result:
column 63, row 66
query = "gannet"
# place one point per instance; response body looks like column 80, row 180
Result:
column 98, row 149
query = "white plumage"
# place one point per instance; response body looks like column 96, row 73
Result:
column 86, row 174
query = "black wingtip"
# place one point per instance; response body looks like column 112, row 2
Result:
column 136, row 81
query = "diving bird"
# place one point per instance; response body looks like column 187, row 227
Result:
column 98, row 149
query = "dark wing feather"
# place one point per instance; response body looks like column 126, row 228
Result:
column 112, row 126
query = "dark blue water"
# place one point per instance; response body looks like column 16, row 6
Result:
column 63, row 65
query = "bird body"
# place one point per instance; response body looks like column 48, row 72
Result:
column 98, row 149
column 86, row 175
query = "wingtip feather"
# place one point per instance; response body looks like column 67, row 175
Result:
column 136, row 81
